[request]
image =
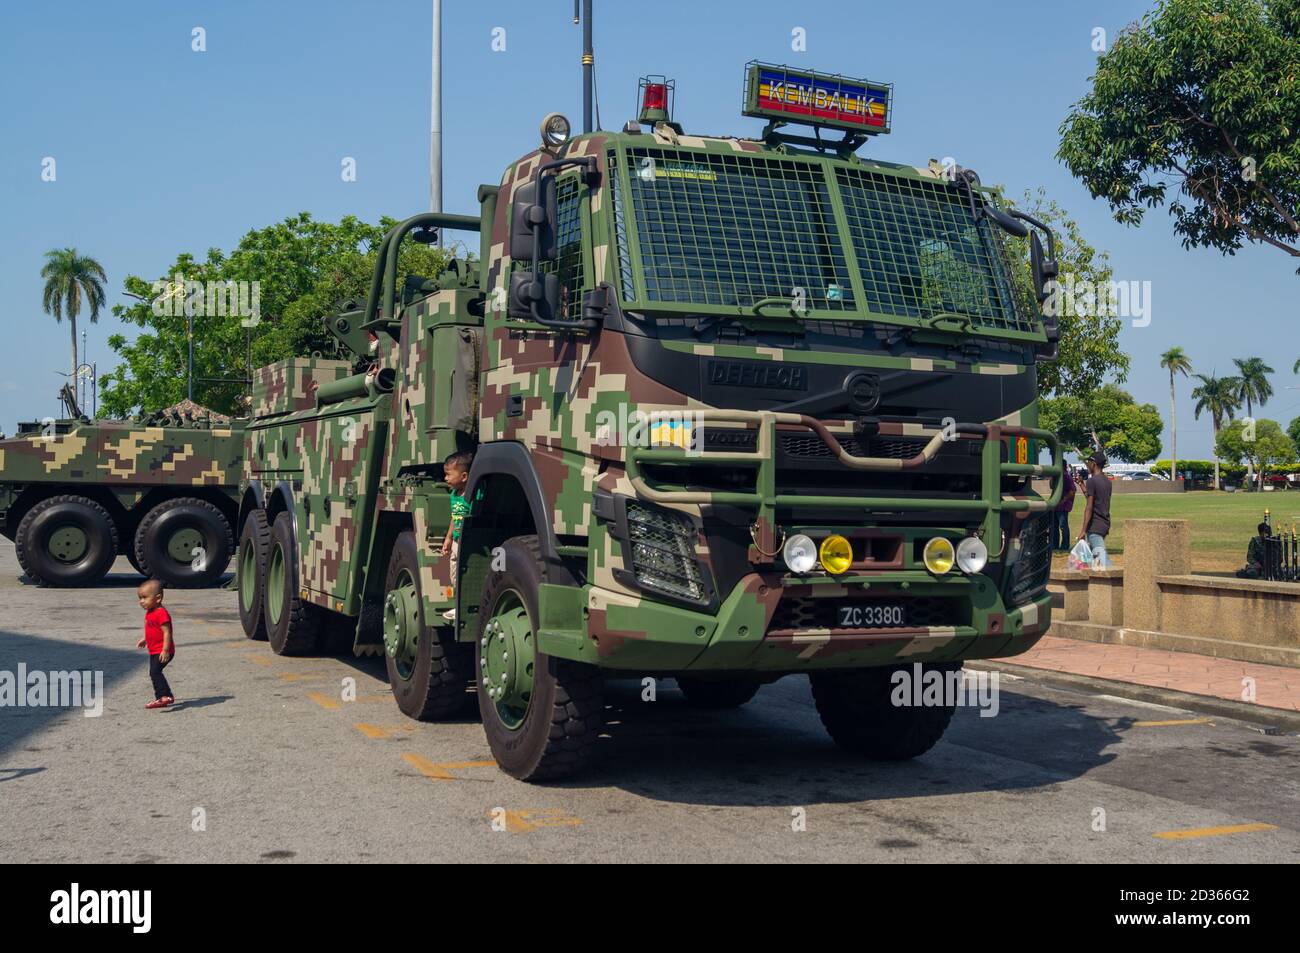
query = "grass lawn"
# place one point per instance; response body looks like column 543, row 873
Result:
column 1222, row 523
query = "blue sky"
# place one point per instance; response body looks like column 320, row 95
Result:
column 160, row 149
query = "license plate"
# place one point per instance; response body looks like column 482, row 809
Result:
column 876, row 615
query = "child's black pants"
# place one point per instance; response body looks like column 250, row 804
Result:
column 160, row 687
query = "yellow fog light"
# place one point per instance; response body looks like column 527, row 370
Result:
column 836, row 554
column 939, row 556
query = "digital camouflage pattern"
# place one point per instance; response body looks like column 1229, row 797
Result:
column 352, row 450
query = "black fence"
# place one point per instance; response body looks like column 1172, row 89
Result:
column 1282, row 557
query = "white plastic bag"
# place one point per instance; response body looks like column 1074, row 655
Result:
column 1081, row 556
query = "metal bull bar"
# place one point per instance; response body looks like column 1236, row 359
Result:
column 765, row 499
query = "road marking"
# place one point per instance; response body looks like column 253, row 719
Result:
column 385, row 697
column 302, row 676
column 261, row 660
column 1166, row 724
column 1214, row 831
column 372, row 731
column 527, row 821
column 442, row 772
column 329, row 704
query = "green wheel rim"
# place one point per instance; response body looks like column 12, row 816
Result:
column 183, row 542
column 402, row 624
column 68, row 544
column 275, row 586
column 507, row 659
column 247, row 577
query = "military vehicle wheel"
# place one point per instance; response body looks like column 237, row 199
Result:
column 429, row 671
column 541, row 714
column 292, row 625
column 857, row 709
column 185, row 542
column 135, row 563
column 66, row 541
column 706, row 693
column 250, row 569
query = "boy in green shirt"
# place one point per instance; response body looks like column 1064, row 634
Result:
column 456, row 475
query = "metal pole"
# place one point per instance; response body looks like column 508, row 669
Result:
column 588, row 60
column 189, row 372
column 435, row 118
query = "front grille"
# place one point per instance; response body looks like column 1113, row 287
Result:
column 663, row 556
column 825, row 613
column 1033, row 565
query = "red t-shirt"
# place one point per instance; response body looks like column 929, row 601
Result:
column 154, row 620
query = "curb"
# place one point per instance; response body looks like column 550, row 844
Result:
column 1276, row 718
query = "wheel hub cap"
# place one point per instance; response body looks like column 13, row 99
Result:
column 506, row 663
column 182, row 544
column 68, row 544
column 402, row 623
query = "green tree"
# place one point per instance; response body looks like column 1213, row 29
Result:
column 1293, row 431
column 1218, row 395
column 1201, row 95
column 1089, row 351
column 304, row 269
column 70, row 278
column 1174, row 360
column 1267, row 446
column 1252, row 382
column 1128, row 432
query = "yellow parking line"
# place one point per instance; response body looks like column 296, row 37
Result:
column 1166, row 724
column 442, row 772
column 372, row 731
column 301, row 676
column 261, row 660
column 329, row 704
column 1214, row 831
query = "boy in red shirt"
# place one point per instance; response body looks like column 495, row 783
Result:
column 158, row 637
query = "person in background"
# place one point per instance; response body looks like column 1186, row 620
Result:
column 1061, row 528
column 1096, row 512
column 1255, row 554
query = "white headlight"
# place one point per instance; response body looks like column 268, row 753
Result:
column 800, row 553
column 972, row 555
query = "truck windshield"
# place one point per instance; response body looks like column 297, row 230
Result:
column 730, row 229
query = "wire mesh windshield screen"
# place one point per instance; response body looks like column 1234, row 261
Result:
column 732, row 229
column 723, row 229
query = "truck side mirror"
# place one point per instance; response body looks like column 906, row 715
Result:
column 1044, row 269
column 528, row 288
column 532, row 221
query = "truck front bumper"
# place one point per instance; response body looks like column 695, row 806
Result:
column 760, row 626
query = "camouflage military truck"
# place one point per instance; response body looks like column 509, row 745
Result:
column 740, row 409
column 161, row 490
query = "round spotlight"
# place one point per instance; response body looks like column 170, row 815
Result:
column 836, row 554
column 972, row 555
column 800, row 553
column 938, row 556
column 555, row 130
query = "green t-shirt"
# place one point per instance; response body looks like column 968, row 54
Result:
column 459, row 510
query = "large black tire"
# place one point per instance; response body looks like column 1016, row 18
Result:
column 557, row 730
column 250, row 570
column 705, row 693
column 858, row 712
column 292, row 625
column 169, row 534
column 66, row 541
column 431, row 680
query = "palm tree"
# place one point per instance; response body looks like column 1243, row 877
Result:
column 1218, row 395
column 69, row 278
column 1253, row 386
column 1175, row 360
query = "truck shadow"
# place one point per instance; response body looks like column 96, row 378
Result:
column 774, row 752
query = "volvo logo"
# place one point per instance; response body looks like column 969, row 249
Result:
column 863, row 390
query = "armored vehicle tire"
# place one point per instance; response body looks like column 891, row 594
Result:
column 66, row 541
column 176, row 535
column 429, row 671
column 135, row 563
column 541, row 714
column 292, row 625
column 706, row 693
column 254, row 541
column 858, row 711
